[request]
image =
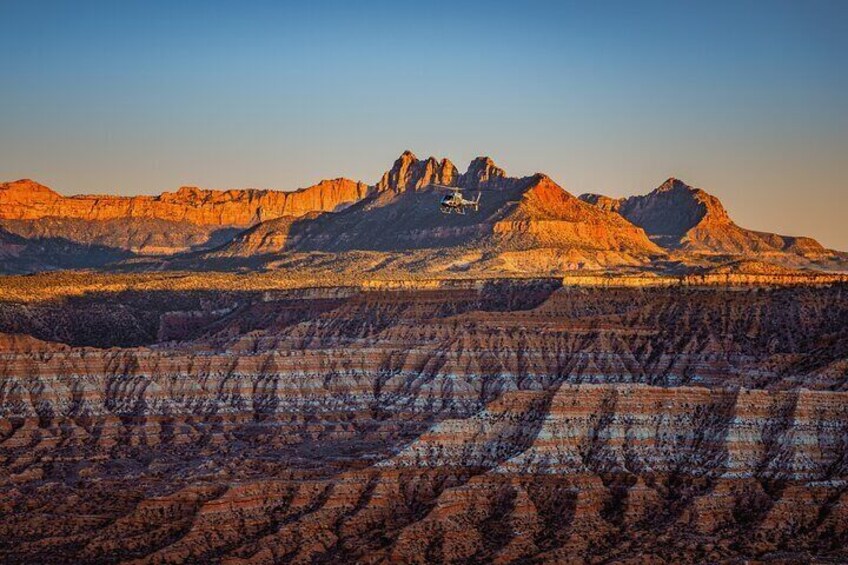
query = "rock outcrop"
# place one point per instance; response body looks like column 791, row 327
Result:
column 603, row 202
column 410, row 173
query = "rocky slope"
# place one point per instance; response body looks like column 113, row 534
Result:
column 20, row 255
column 520, row 219
column 135, row 236
column 505, row 421
column 678, row 216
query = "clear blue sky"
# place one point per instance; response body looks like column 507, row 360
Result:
column 746, row 99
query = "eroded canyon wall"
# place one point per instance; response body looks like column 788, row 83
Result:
column 505, row 422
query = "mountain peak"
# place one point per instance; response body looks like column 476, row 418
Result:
column 672, row 209
column 410, row 173
column 481, row 170
column 679, row 216
column 482, row 160
column 25, row 192
column 672, row 183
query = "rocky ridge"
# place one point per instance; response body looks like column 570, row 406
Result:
column 109, row 228
column 28, row 200
column 527, row 226
column 410, row 173
column 517, row 216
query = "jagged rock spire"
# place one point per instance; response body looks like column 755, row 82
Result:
column 481, row 170
column 410, row 173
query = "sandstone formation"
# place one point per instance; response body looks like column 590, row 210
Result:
column 499, row 421
column 28, row 200
column 482, row 172
column 409, row 173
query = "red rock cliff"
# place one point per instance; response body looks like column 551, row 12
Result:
column 29, row 200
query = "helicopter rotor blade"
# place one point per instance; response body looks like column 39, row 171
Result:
column 458, row 188
column 443, row 187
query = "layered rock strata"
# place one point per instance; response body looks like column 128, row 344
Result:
column 501, row 422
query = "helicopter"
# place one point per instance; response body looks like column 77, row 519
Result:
column 454, row 202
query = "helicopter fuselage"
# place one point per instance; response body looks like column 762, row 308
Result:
column 455, row 203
